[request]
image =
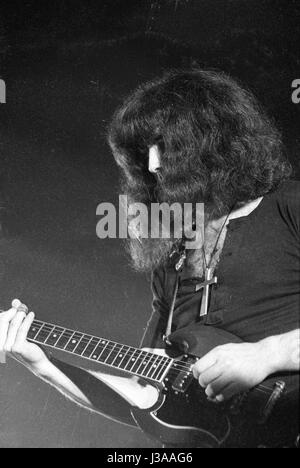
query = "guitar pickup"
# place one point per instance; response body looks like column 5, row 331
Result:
column 182, row 382
column 184, row 378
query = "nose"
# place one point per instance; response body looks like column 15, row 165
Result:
column 154, row 159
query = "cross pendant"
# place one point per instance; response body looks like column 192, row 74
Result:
column 209, row 280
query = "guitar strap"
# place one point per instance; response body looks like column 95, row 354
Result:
column 178, row 269
column 171, row 312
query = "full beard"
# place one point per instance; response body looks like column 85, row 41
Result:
column 149, row 254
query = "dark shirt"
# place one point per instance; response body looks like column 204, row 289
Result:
column 258, row 289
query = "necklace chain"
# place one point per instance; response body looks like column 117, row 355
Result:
column 215, row 249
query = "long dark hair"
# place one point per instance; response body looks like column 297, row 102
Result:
column 217, row 145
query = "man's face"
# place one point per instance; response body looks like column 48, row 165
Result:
column 154, row 162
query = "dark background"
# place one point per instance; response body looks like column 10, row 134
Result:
column 67, row 65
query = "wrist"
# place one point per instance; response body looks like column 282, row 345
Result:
column 42, row 368
column 271, row 354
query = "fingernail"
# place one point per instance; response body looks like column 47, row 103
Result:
column 212, row 399
column 220, row 398
column 16, row 303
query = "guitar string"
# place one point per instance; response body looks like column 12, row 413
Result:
column 51, row 327
column 86, row 338
column 153, row 357
column 176, row 370
column 176, row 366
column 181, row 366
column 68, row 333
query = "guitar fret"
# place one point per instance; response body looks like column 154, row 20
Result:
column 147, row 365
column 70, row 338
column 33, row 332
column 110, row 355
column 63, row 331
column 161, row 369
column 121, row 363
column 73, row 342
column 164, row 369
column 101, row 350
column 43, row 334
column 121, row 354
column 137, row 362
column 132, row 360
column 81, row 345
column 158, row 368
column 87, row 344
column 151, row 367
column 142, row 363
column 54, row 336
column 89, row 351
column 64, row 339
column 118, row 355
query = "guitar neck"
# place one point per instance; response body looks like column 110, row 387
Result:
column 115, row 355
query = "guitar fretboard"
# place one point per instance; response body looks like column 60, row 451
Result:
column 126, row 358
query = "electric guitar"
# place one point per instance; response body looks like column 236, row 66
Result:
column 182, row 416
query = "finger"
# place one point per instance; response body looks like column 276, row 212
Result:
column 217, row 399
column 13, row 330
column 2, row 357
column 231, row 390
column 5, row 319
column 3, row 333
column 217, row 387
column 23, row 332
column 220, row 398
column 210, row 375
column 227, row 393
column 204, row 363
column 16, row 303
column 8, row 315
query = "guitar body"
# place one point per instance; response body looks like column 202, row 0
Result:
column 183, row 417
column 184, row 420
column 190, row 420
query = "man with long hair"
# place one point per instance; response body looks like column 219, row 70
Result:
column 198, row 137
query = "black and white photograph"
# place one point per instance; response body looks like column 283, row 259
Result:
column 149, row 226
